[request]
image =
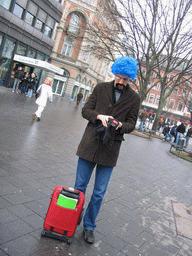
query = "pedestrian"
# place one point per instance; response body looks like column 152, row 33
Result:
column 18, row 77
column 188, row 136
column 160, row 124
column 24, row 82
column 180, row 132
column 166, row 132
column 79, row 98
column 31, row 86
column 173, row 132
column 45, row 92
column 143, row 118
column 109, row 100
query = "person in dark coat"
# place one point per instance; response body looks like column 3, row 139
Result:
column 180, row 132
column 24, row 82
column 79, row 98
column 110, row 100
column 31, row 85
column 18, row 77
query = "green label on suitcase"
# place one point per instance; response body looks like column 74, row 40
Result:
column 67, row 202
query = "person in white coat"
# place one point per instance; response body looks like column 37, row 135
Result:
column 45, row 92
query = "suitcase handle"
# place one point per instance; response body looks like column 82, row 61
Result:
column 70, row 190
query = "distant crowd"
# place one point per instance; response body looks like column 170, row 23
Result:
column 174, row 133
column 23, row 82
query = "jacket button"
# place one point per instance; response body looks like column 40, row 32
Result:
column 110, row 105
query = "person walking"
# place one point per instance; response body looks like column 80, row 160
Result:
column 79, row 98
column 18, row 77
column 114, row 101
column 188, row 136
column 45, row 92
column 31, row 86
column 143, row 118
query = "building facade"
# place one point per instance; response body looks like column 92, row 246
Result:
column 27, row 28
column 175, row 109
column 83, row 69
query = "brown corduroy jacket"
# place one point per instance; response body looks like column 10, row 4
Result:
column 125, row 110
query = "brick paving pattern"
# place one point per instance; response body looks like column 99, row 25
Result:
column 136, row 216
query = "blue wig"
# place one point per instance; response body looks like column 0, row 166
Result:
column 125, row 66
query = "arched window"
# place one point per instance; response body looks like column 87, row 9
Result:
column 74, row 23
column 78, row 78
column 84, row 81
column 89, row 83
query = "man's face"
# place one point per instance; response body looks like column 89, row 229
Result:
column 121, row 82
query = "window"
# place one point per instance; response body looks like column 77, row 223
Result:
column 171, row 104
column 49, row 26
column 47, row 31
column 84, row 81
column 18, row 10
column 38, row 24
column 103, row 67
column 155, row 87
column 157, row 100
column 31, row 53
column 67, row 46
column 86, row 55
column 21, row 50
column 78, row 78
column 32, row 8
column 5, row 3
column 151, row 98
column 29, row 18
column 40, row 56
column 74, row 23
column 180, row 106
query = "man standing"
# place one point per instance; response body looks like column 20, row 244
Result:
column 18, row 77
column 180, row 132
column 111, row 100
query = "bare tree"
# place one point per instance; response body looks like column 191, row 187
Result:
column 157, row 34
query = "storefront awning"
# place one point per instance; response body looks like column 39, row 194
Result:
column 38, row 64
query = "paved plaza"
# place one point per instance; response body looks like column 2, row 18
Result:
column 136, row 216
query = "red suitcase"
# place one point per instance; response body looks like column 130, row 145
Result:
column 60, row 222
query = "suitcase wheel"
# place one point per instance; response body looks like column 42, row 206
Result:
column 69, row 241
column 43, row 233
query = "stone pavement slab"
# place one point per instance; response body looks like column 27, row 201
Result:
column 136, row 217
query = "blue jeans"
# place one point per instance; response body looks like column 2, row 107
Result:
column 179, row 135
column 168, row 135
column 102, row 177
column 30, row 93
column 141, row 125
column 187, row 141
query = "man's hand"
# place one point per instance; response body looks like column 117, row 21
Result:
column 104, row 119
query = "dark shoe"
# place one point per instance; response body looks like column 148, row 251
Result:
column 38, row 119
column 33, row 117
column 89, row 236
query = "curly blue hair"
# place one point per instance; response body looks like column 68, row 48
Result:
column 125, row 66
